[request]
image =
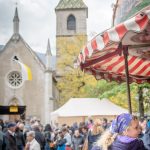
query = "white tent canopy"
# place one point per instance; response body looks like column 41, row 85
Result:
column 88, row 107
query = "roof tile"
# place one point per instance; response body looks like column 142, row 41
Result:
column 70, row 4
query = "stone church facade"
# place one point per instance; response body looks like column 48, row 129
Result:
column 38, row 95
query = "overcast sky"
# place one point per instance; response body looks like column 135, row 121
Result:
column 38, row 20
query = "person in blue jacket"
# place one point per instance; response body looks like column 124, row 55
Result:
column 145, row 133
column 122, row 135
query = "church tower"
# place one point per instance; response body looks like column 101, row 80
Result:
column 71, row 31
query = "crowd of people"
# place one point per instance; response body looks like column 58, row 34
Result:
column 126, row 132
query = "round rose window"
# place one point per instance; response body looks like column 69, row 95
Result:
column 15, row 78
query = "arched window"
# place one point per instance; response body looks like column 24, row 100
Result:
column 14, row 102
column 71, row 23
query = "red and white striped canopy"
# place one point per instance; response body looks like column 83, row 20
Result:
column 102, row 56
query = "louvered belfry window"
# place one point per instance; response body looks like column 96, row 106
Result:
column 71, row 23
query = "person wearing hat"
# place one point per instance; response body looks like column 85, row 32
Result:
column 9, row 137
column 122, row 135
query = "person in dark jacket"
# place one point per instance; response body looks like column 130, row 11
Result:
column 1, row 137
column 9, row 138
column 118, row 145
column 20, row 139
column 84, row 131
column 131, row 144
column 146, row 138
column 48, row 137
column 77, row 140
column 61, row 141
column 122, row 135
column 39, row 137
column 2, row 124
column 105, row 123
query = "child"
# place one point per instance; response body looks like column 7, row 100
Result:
column 122, row 135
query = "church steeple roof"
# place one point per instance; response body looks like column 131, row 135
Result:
column 16, row 21
column 70, row 4
column 16, row 18
column 48, row 52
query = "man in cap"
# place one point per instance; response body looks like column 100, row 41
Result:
column 9, row 137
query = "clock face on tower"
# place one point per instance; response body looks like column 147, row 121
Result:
column 15, row 79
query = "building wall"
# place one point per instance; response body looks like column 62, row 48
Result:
column 61, row 22
column 56, row 96
column 31, row 93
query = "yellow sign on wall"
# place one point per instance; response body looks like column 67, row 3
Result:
column 13, row 109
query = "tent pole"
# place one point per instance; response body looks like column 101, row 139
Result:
column 125, row 52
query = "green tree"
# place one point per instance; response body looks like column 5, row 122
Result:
column 115, row 92
column 143, row 97
column 72, row 85
column 73, row 81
